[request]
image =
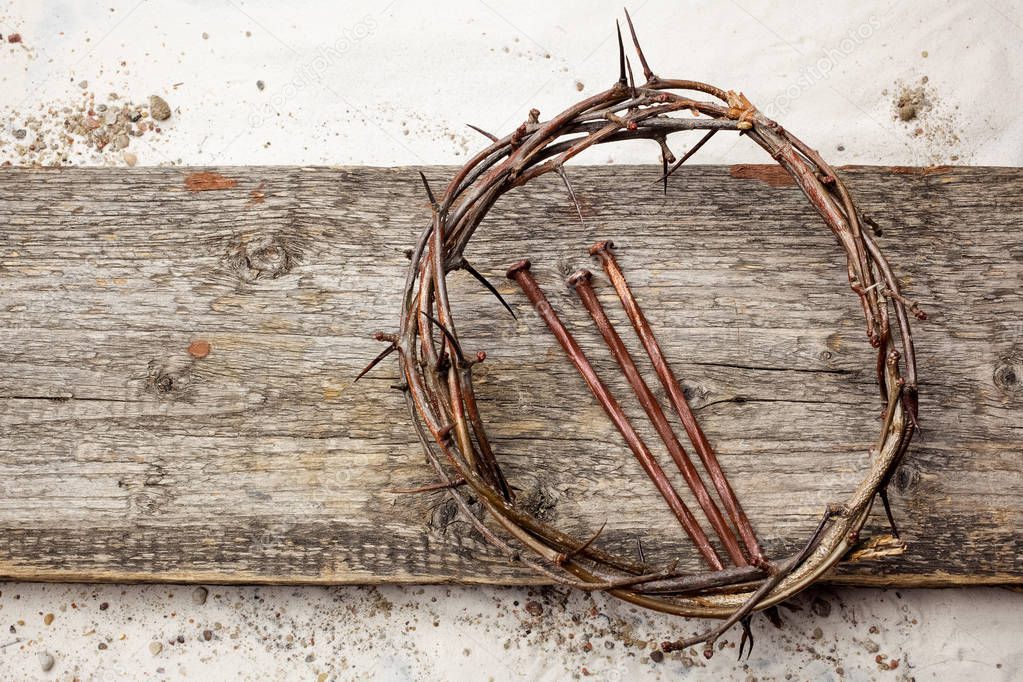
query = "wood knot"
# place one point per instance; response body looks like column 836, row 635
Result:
column 1008, row 373
column 443, row 515
column 540, row 502
column 696, row 395
column 148, row 491
column 162, row 383
column 266, row 257
column 165, row 381
column 906, row 478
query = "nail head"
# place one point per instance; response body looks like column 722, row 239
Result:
column 579, row 277
column 517, row 267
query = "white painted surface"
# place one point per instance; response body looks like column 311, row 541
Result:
column 392, row 84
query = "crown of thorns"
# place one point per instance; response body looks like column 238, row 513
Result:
column 438, row 374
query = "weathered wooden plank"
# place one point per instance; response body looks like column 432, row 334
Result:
column 124, row 458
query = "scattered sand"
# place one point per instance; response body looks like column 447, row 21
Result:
column 88, row 129
column 918, row 107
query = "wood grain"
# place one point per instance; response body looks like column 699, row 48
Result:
column 125, row 457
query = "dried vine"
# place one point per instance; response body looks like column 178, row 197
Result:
column 438, row 373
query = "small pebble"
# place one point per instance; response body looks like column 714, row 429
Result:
column 205, row 35
column 871, row 646
column 121, row 141
column 155, row 648
column 207, row 635
column 907, row 112
column 657, row 656
column 84, row 85
column 20, row 133
column 260, row 85
column 130, row 158
column 817, row 633
column 47, row 619
column 14, row 38
column 46, row 661
column 104, row 606
column 200, row 593
column 102, row 646
column 821, row 607
column 534, row 608
column 158, row 108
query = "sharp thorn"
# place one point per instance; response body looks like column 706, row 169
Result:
column 642, row 556
column 583, row 547
column 427, row 488
column 882, row 492
column 688, row 154
column 647, row 73
column 571, row 192
column 490, row 287
column 632, row 80
column 429, row 192
column 376, row 361
column 664, row 177
column 621, row 56
column 490, row 136
column 447, row 334
column 747, row 636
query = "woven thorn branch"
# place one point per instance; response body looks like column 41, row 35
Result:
column 438, row 373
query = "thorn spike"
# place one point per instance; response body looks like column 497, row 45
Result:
column 647, row 73
column 490, row 136
column 571, row 192
column 882, row 492
column 583, row 547
column 447, row 334
column 376, row 361
column 632, row 80
column 429, row 192
column 490, row 287
column 747, row 636
column 695, row 148
column 621, row 56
